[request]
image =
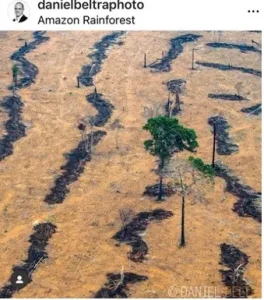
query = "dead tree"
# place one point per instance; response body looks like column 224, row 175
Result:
column 214, row 142
column 122, row 278
column 254, row 42
column 177, row 101
column 13, row 90
column 169, row 104
column 83, row 128
column 126, row 215
column 89, row 144
column 116, row 125
column 86, row 126
column 145, row 60
column 187, row 179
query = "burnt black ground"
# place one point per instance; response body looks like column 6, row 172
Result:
column 230, row 97
column 235, row 260
column 104, row 108
column 100, row 53
column 15, row 129
column 224, row 143
column 82, row 153
column 130, row 233
column 36, row 253
column 241, row 47
column 74, row 167
column 153, row 190
column 28, row 70
column 176, row 85
column 176, row 48
column 229, row 68
column 115, row 288
column 253, row 110
column 249, row 201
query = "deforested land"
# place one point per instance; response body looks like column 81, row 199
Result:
column 130, row 164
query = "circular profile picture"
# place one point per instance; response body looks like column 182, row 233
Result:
column 18, row 11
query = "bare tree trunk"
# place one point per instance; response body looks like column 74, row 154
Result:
column 13, row 90
column 193, row 59
column 161, row 163
column 117, row 139
column 169, row 106
column 177, row 100
column 84, row 135
column 161, row 178
column 145, row 60
column 15, row 80
column 214, row 141
column 182, row 244
column 122, row 277
column 86, row 146
column 14, row 83
column 160, row 189
column 91, row 141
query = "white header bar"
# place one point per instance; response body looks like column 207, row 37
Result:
column 154, row 15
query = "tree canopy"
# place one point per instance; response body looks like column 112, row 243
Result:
column 168, row 136
column 15, row 70
column 198, row 164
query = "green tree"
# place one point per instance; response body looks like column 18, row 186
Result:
column 15, row 72
column 190, row 175
column 168, row 136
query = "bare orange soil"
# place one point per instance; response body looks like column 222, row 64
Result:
column 82, row 252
